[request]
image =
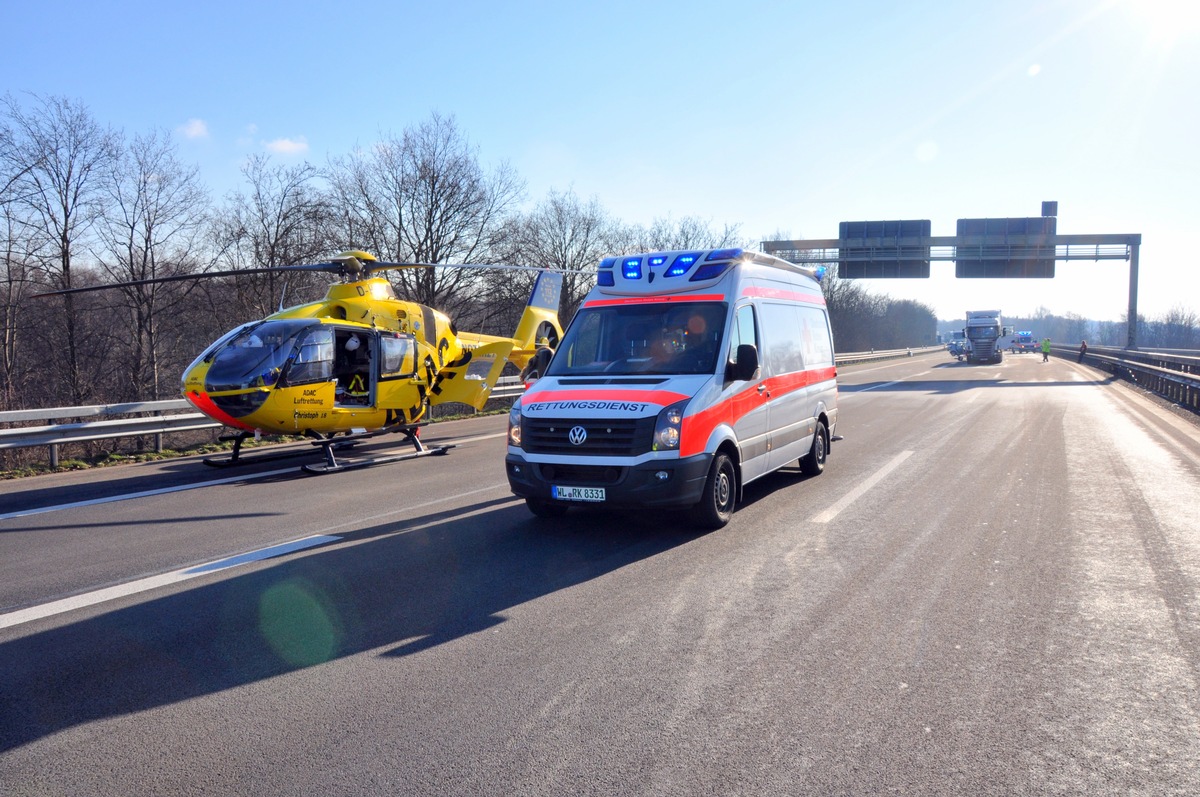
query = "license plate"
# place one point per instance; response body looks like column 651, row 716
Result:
column 578, row 493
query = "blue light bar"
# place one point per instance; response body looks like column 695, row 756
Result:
column 710, row 271
column 725, row 254
column 819, row 272
column 631, row 268
column 608, row 262
column 656, row 260
column 605, row 279
column 683, row 264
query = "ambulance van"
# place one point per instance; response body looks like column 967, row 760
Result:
column 683, row 377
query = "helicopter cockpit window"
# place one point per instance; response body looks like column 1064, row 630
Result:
column 219, row 343
column 652, row 338
column 399, row 357
column 255, row 356
column 314, row 358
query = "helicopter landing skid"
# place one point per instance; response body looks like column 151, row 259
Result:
column 410, row 435
column 237, row 458
column 235, row 455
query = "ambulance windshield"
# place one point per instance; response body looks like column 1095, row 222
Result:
column 642, row 338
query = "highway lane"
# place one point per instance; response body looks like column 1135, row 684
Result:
column 82, row 544
column 992, row 589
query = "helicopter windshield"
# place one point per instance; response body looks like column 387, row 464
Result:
column 654, row 338
column 255, row 356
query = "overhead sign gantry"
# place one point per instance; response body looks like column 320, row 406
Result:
column 1003, row 248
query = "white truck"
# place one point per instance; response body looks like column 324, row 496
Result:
column 984, row 330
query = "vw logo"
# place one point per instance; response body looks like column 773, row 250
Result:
column 577, row 435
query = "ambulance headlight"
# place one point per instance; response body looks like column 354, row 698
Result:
column 514, row 426
column 668, row 427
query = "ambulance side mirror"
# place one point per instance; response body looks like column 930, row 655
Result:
column 746, row 366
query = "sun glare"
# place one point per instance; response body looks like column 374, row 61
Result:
column 1165, row 23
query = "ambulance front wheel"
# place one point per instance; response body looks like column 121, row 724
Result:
column 720, row 493
column 545, row 509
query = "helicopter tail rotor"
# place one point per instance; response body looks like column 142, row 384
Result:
column 539, row 323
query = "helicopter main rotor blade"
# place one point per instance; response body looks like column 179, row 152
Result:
column 373, row 267
column 352, row 267
column 332, row 268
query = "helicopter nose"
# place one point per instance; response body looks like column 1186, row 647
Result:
column 194, row 391
column 193, row 381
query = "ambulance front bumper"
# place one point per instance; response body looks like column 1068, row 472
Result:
column 664, row 483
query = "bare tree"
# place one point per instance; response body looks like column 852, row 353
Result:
column 905, row 322
column 155, row 214
column 15, row 321
column 690, row 232
column 561, row 233
column 425, row 198
column 1180, row 328
column 61, row 157
column 282, row 218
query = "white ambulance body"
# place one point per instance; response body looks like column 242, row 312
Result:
column 683, row 377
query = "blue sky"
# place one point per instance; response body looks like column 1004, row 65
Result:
column 783, row 117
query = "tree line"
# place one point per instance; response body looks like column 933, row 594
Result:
column 83, row 204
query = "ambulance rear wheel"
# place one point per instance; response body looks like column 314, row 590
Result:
column 719, row 496
column 545, row 509
column 813, row 463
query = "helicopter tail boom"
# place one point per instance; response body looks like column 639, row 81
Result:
column 462, row 381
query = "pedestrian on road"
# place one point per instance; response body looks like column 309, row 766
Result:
column 1082, row 349
column 1045, row 350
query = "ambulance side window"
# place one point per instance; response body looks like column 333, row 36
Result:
column 744, row 331
column 781, row 328
column 815, row 337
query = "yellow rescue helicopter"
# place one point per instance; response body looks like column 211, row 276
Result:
column 358, row 363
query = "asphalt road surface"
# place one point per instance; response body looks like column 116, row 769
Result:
column 992, row 589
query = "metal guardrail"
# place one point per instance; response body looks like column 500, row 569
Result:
column 158, row 420
column 54, row 435
column 890, row 354
column 1173, row 374
column 160, row 417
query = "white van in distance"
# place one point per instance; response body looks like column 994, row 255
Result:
column 683, row 377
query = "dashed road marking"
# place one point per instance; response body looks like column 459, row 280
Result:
column 154, row 582
column 852, row 496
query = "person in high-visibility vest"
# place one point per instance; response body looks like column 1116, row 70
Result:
column 1045, row 350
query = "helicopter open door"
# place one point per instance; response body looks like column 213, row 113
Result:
column 399, row 388
column 354, row 356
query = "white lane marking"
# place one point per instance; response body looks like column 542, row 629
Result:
column 479, row 437
column 852, row 496
column 183, row 487
column 153, row 582
column 144, row 493
column 892, row 364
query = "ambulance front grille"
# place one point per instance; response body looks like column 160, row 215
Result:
column 580, row 474
column 605, row 437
